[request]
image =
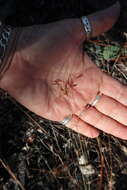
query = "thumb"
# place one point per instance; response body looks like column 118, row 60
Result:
column 102, row 21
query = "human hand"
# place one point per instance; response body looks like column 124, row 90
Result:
column 52, row 76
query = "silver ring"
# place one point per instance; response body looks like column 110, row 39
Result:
column 66, row 120
column 87, row 26
column 96, row 100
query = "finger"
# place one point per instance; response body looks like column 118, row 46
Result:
column 82, row 127
column 104, row 123
column 114, row 89
column 112, row 108
column 100, row 21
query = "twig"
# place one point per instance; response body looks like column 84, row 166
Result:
column 7, row 168
column 102, row 165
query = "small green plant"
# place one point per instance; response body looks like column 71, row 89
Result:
column 110, row 52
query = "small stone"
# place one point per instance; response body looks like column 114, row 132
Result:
column 82, row 160
column 87, row 170
column 124, row 149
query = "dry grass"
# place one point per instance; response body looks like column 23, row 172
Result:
column 51, row 156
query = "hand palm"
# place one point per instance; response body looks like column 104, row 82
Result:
column 54, row 77
column 57, row 74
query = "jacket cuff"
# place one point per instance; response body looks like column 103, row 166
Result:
column 8, row 40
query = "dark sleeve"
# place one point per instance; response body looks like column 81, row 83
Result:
column 7, row 8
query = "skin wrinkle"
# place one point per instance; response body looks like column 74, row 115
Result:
column 70, row 77
column 57, row 109
column 118, row 132
column 115, row 112
column 71, row 65
column 76, row 125
column 91, row 79
column 87, row 116
column 73, row 103
column 76, row 104
column 91, row 67
column 101, row 120
column 82, row 97
column 112, row 112
column 64, row 71
column 72, row 88
column 64, row 87
column 81, row 35
column 116, row 127
column 74, row 122
column 111, row 88
column 120, row 94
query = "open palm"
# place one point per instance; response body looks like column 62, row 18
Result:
column 52, row 76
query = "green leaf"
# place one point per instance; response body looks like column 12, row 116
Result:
column 110, row 52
